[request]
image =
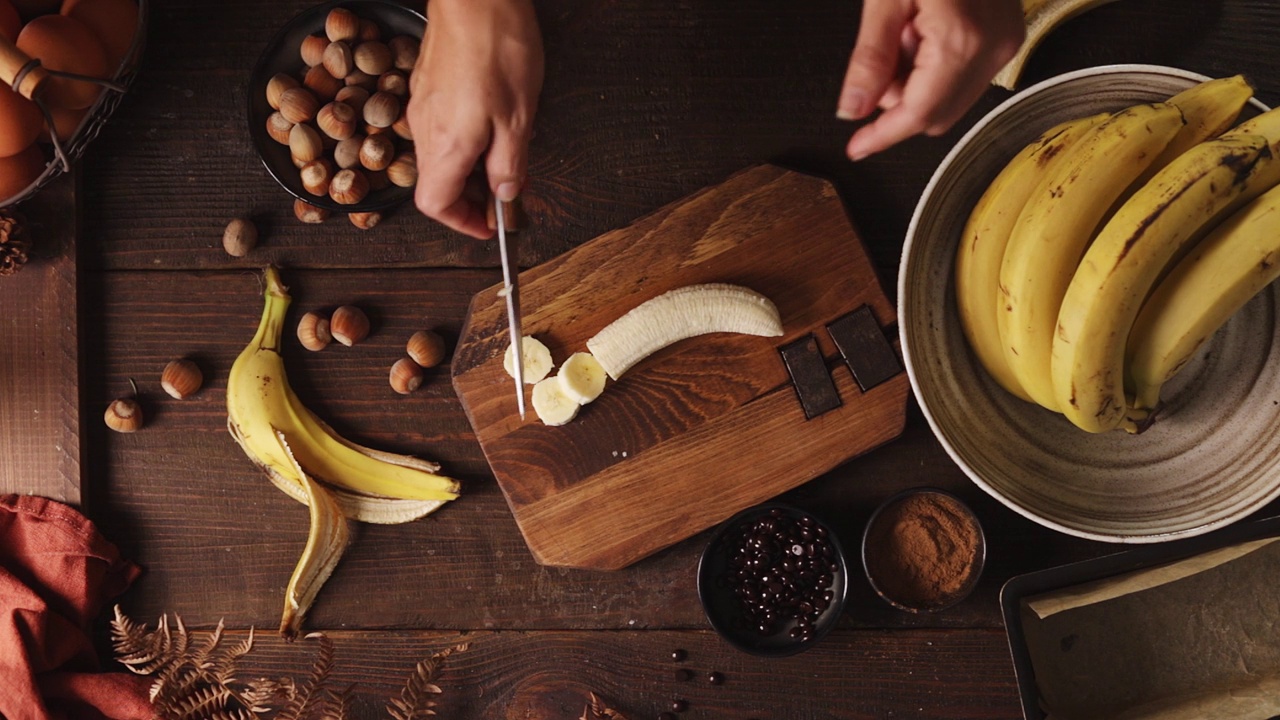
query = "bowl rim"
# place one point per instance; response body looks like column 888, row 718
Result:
column 728, row 634
column 908, row 359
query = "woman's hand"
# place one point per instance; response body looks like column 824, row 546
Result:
column 474, row 91
column 923, row 63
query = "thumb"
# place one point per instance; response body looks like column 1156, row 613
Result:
column 874, row 63
column 507, row 163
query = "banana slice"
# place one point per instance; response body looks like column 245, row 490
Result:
column 581, row 378
column 537, row 360
column 551, row 403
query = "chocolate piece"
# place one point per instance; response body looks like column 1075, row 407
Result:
column 813, row 384
column 865, row 349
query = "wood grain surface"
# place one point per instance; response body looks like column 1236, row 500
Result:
column 645, row 103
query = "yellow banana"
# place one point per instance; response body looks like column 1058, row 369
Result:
column 260, row 401
column 1055, row 227
column 1232, row 264
column 1210, row 109
column 986, row 234
column 1130, row 253
column 1041, row 18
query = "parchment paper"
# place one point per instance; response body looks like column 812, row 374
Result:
column 1199, row 638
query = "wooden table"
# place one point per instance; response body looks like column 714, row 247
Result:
column 645, row 102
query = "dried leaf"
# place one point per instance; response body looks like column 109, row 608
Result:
column 309, row 697
column 597, row 710
column 416, row 699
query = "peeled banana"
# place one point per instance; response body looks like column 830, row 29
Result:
column 581, row 377
column 1193, row 192
column 1231, row 265
column 552, row 404
column 679, row 314
column 1055, row 227
column 537, row 360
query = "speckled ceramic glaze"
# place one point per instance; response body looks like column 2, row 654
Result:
column 1212, row 457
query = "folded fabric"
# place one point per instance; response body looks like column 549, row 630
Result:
column 56, row 575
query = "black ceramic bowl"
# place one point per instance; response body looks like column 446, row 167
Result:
column 719, row 590
column 873, row 568
column 282, row 55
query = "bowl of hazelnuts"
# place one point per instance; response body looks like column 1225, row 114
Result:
column 327, row 103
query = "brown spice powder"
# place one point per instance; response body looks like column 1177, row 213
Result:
column 922, row 550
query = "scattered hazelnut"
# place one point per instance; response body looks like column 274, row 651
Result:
column 347, row 152
column 304, row 144
column 308, row 213
column 403, row 171
column 313, row 332
column 371, row 130
column 373, row 58
column 349, row 325
column 181, row 378
column 401, row 126
column 393, row 82
column 353, row 95
column 276, row 87
column 369, row 31
column 348, row 187
column 298, row 105
column 365, row 220
column 316, row 176
column 337, row 120
column 239, row 237
column 338, row 59
column 313, row 47
column 426, row 348
column 406, row 376
column 362, row 80
column 377, row 152
column 278, row 127
column 319, row 81
column 123, row 415
column 341, row 24
column 404, row 52
column 382, row 109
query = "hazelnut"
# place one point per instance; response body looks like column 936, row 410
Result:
column 377, row 180
column 341, row 24
column 304, row 144
column 276, row 87
column 404, row 52
column 337, row 120
column 319, row 81
column 403, row 171
column 373, row 58
column 316, row 176
column 181, row 378
column 347, row 152
column 338, row 59
column 308, row 213
column 348, row 187
column 369, row 31
column 278, row 127
column 240, row 237
column 313, row 47
column 406, row 376
column 365, row 220
column 362, row 80
column 377, row 152
column 313, row 332
column 382, row 109
column 401, row 126
column 371, row 130
column 353, row 95
column 298, row 105
column 349, row 325
column 426, row 348
column 395, row 83
column 123, row 415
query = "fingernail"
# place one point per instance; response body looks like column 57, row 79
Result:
column 508, row 191
column 852, row 104
column 855, row 151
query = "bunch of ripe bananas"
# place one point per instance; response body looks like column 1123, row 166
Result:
column 1113, row 246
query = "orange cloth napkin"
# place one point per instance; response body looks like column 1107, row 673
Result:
column 56, row 575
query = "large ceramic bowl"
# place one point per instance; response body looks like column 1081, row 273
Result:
column 1212, row 457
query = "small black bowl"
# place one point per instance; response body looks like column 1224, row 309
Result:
column 977, row 562
column 282, row 55
column 724, row 608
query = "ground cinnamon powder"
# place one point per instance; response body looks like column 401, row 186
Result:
column 922, row 550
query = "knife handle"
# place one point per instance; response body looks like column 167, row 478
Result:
column 513, row 212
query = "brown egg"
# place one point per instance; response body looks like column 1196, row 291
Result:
column 65, row 121
column 20, row 122
column 63, row 43
column 10, row 23
column 19, row 171
column 113, row 22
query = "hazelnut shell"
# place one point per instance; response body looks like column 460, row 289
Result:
column 406, row 376
column 349, row 325
column 181, row 378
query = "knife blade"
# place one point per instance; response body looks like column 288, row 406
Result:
column 511, row 286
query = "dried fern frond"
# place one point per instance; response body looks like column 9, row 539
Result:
column 597, row 710
column 141, row 650
column 309, row 697
column 199, row 703
column 339, row 705
column 417, row 698
column 265, row 695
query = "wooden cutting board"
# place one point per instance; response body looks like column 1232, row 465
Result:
column 706, row 427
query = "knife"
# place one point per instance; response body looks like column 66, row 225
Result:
column 511, row 287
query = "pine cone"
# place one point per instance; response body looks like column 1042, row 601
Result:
column 13, row 244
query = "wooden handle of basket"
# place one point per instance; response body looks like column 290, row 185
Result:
column 12, row 60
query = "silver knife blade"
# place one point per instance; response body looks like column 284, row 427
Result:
column 511, row 284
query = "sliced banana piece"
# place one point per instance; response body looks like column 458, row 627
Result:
column 679, row 314
column 537, row 360
column 551, row 403
column 581, row 378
